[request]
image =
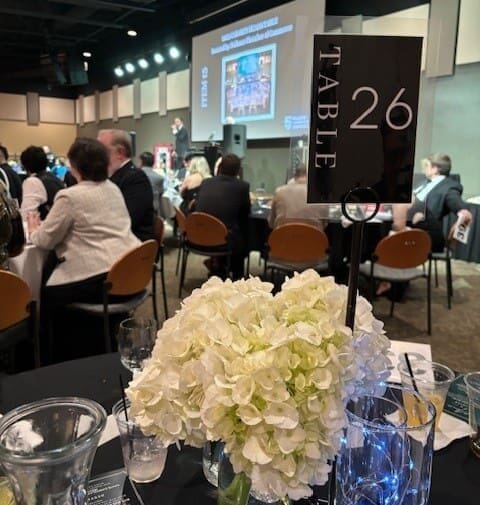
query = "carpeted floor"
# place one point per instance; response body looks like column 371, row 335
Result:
column 455, row 338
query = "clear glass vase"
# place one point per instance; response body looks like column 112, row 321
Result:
column 386, row 453
column 47, row 449
column 210, row 461
column 235, row 488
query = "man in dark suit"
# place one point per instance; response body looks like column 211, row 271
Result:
column 439, row 196
column 228, row 198
column 182, row 141
column 9, row 177
column 133, row 183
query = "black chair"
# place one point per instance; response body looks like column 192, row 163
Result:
column 205, row 235
column 159, row 230
column 129, row 277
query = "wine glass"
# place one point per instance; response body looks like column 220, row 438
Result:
column 136, row 338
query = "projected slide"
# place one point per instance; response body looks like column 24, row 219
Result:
column 248, row 84
column 257, row 71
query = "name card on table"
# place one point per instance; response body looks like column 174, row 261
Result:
column 113, row 488
column 363, row 117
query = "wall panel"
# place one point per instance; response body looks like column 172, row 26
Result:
column 13, row 107
column 125, row 101
column 57, row 110
column 178, row 90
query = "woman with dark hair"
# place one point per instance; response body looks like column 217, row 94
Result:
column 40, row 188
column 88, row 227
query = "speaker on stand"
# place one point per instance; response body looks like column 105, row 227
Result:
column 235, row 139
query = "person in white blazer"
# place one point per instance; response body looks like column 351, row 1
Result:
column 88, row 227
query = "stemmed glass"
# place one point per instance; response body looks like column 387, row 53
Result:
column 136, row 338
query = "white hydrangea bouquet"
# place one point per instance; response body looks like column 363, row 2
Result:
column 267, row 375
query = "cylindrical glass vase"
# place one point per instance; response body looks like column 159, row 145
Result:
column 386, row 452
column 47, row 449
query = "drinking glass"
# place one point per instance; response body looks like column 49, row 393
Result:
column 47, row 448
column 384, row 458
column 472, row 381
column 431, row 380
column 144, row 455
column 136, row 338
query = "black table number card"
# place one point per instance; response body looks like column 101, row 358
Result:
column 363, row 117
column 112, row 488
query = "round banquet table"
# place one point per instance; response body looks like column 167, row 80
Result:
column 456, row 471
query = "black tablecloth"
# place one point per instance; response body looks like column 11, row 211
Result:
column 456, row 472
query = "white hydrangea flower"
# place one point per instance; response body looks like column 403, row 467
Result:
column 267, row 375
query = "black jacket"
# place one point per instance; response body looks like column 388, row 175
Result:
column 228, row 199
column 14, row 182
column 138, row 195
column 181, row 142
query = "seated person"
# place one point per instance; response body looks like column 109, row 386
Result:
column 227, row 198
column 198, row 170
column 290, row 203
column 156, row 180
column 133, row 183
column 88, row 227
column 41, row 186
column 13, row 183
column 433, row 201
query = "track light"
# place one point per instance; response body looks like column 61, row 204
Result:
column 130, row 67
column 132, row 33
column 174, row 52
column 159, row 59
column 87, row 54
column 119, row 72
column 142, row 63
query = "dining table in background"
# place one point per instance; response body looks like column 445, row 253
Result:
column 29, row 266
column 456, row 470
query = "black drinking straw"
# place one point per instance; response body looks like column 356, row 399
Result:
column 124, row 403
column 410, row 371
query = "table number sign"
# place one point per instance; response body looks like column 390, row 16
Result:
column 363, row 117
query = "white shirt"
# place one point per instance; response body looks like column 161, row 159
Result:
column 34, row 195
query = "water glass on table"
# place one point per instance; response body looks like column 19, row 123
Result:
column 136, row 338
column 432, row 380
column 144, row 455
column 472, row 381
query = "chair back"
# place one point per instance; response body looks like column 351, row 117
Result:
column 133, row 271
column 16, row 297
column 205, row 230
column 181, row 219
column 406, row 249
column 297, row 243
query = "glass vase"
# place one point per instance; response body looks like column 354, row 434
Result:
column 47, row 449
column 386, row 452
column 210, row 461
column 235, row 488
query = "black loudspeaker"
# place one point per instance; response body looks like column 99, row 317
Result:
column 235, row 139
column 133, row 138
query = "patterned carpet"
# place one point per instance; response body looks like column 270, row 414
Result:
column 455, row 338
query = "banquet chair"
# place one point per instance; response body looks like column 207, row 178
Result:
column 158, row 267
column 446, row 256
column 205, row 235
column 18, row 316
column 296, row 247
column 128, row 278
column 401, row 258
column 181, row 220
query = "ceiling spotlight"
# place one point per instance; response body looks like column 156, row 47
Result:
column 174, row 52
column 119, row 72
column 130, row 67
column 158, row 58
column 85, row 66
column 87, row 54
column 143, row 63
column 132, row 33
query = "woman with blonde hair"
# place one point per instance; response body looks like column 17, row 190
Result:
column 197, row 172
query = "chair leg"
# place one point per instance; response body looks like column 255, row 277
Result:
column 164, row 290
column 182, row 272
column 392, row 306
column 179, row 257
column 35, row 329
column 429, row 298
column 154, row 293
column 106, row 324
column 436, row 273
column 449, row 283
